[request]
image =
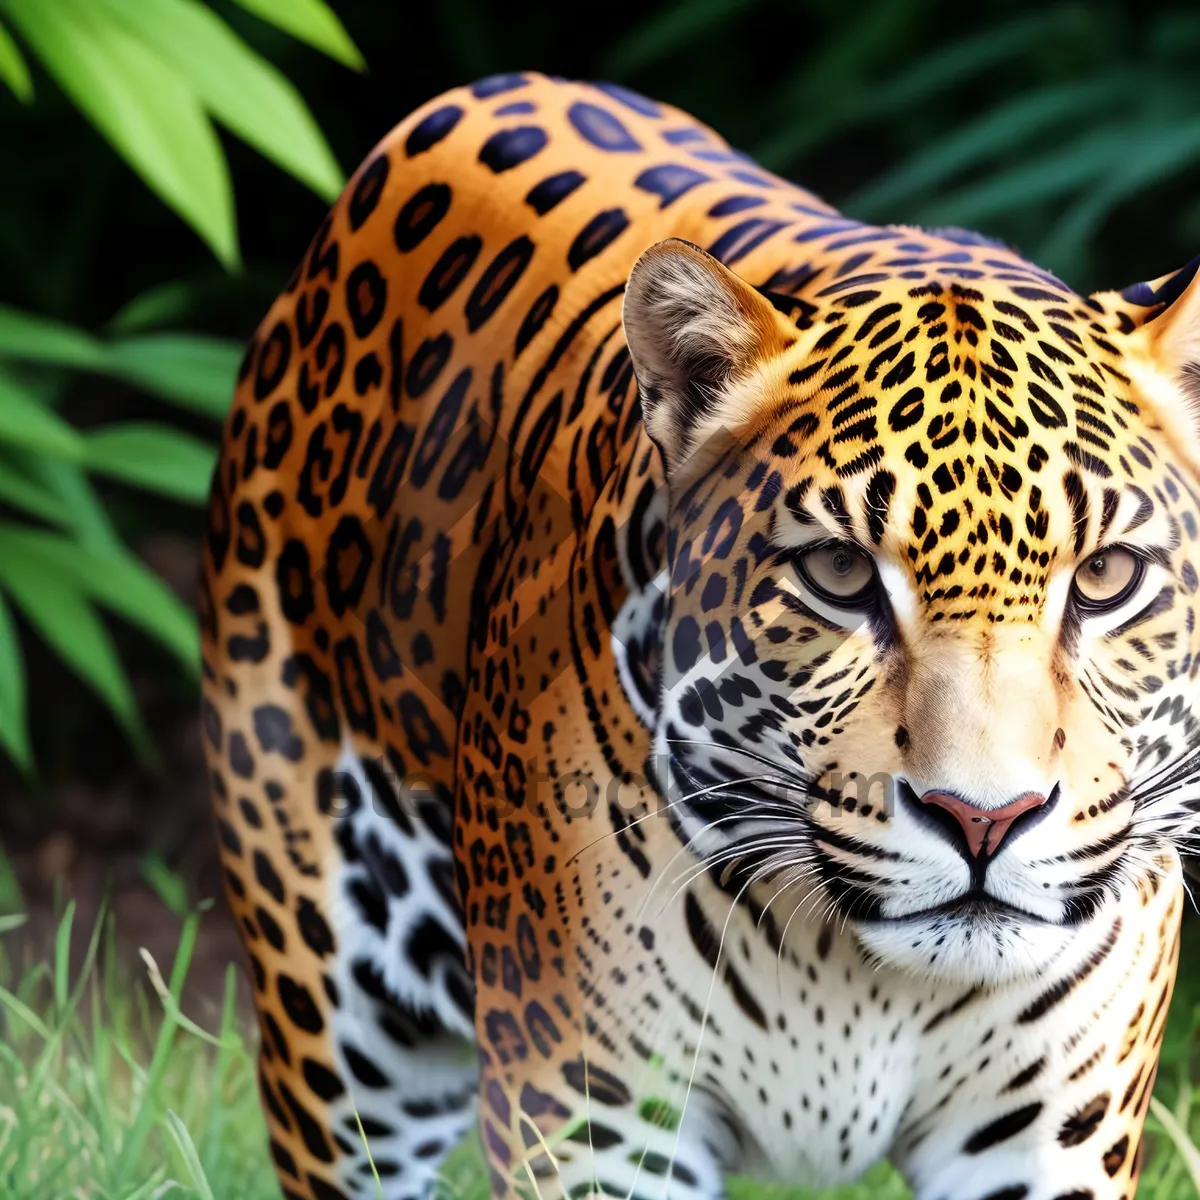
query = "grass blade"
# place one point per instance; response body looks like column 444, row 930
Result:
column 62, row 960
column 1179, row 1138
column 131, row 1147
column 187, row 1151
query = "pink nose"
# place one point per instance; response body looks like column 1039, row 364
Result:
column 984, row 828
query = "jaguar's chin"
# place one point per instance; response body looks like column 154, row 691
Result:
column 973, row 941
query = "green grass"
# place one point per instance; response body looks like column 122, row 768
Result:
column 108, row 1091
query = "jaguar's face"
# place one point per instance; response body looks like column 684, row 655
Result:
column 929, row 640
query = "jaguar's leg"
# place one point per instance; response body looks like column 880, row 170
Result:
column 570, row 1131
column 410, row 1093
column 265, row 767
column 402, row 1028
column 343, row 890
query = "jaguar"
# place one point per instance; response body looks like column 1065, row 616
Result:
column 694, row 683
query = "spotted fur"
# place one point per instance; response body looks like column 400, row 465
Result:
column 549, row 793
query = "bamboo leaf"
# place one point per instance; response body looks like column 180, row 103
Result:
column 1157, row 154
column 18, row 490
column 26, row 336
column 161, row 304
column 1175, row 34
column 241, row 89
column 14, row 727
column 57, row 609
column 13, row 70
column 85, row 515
column 197, row 373
column 25, row 421
column 311, row 21
column 666, row 33
column 127, row 587
column 142, row 104
column 821, row 96
column 1048, row 176
column 949, row 64
column 155, row 457
column 1000, row 130
column 115, row 579
column 961, row 59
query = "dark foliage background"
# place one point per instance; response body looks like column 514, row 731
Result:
column 1069, row 129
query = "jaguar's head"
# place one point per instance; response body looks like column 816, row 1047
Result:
column 928, row 645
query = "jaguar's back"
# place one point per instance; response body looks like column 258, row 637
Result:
column 434, row 660
column 443, row 379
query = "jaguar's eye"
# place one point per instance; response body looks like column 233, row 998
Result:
column 839, row 573
column 1107, row 579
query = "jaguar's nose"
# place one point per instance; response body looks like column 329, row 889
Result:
column 983, row 828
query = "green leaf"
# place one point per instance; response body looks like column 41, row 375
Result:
column 142, row 105
column 959, row 60
column 934, row 74
column 155, row 457
column 84, row 513
column 14, row 728
column 25, row 421
column 310, row 21
column 26, row 336
column 57, row 609
column 821, row 95
column 998, row 131
column 13, row 70
column 1157, row 154
column 160, row 304
column 197, row 373
column 19, row 491
column 242, row 90
column 1063, row 169
column 469, row 31
column 1174, row 35
column 126, row 586
column 118, row 581
column 666, row 33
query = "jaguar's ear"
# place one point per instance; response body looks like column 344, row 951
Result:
column 698, row 336
column 1162, row 318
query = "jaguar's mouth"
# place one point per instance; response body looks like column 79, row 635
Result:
column 971, row 906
